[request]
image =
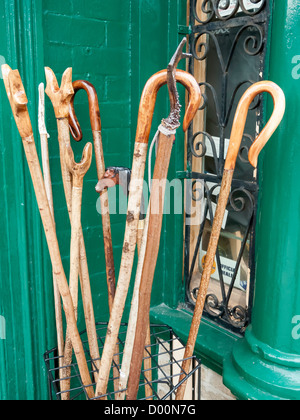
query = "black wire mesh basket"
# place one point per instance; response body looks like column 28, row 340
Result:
column 159, row 382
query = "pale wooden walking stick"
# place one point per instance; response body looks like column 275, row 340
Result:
column 18, row 101
column 61, row 98
column 232, row 154
column 48, row 185
column 138, row 169
column 78, row 172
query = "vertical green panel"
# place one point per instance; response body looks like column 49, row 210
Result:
column 23, row 291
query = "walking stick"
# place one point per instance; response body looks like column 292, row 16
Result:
column 138, row 168
column 122, row 176
column 106, row 226
column 165, row 145
column 48, row 185
column 97, row 136
column 233, row 150
column 18, row 101
column 78, row 171
column 61, row 98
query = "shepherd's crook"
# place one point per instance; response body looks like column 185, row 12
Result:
column 138, row 168
column 165, row 145
column 234, row 147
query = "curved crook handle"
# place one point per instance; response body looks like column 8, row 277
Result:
column 17, row 99
column 60, row 96
column 240, row 121
column 79, row 170
column 93, row 106
column 148, row 100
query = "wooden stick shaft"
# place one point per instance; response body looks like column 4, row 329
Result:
column 134, row 205
column 148, row 365
column 48, row 223
column 155, row 224
column 57, row 299
column 201, row 299
column 64, row 140
column 73, row 282
column 127, row 354
column 108, row 248
column 107, row 239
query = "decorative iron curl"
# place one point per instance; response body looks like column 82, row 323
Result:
column 224, row 5
column 237, row 316
column 212, row 9
column 209, row 87
column 254, row 106
column 195, row 146
column 253, row 44
column 198, row 47
column 233, row 199
column 245, row 149
column 213, row 307
column 207, row 8
column 256, row 10
column 257, row 42
column 200, row 191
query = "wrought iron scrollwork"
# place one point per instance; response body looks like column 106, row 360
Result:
column 225, row 30
column 224, row 10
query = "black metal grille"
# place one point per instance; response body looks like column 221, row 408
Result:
column 166, row 355
column 229, row 37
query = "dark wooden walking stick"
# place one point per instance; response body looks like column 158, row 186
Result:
column 18, row 101
column 233, row 150
column 167, row 132
column 97, row 136
column 134, row 203
column 106, row 226
column 61, row 97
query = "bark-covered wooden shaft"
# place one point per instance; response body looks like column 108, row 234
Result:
column 78, row 172
column 233, row 150
column 127, row 354
column 155, row 223
column 134, row 204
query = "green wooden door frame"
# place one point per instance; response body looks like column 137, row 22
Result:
column 24, row 299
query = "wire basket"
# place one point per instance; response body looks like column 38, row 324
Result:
column 159, row 382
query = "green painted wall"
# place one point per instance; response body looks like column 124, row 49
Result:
column 266, row 364
column 117, row 45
